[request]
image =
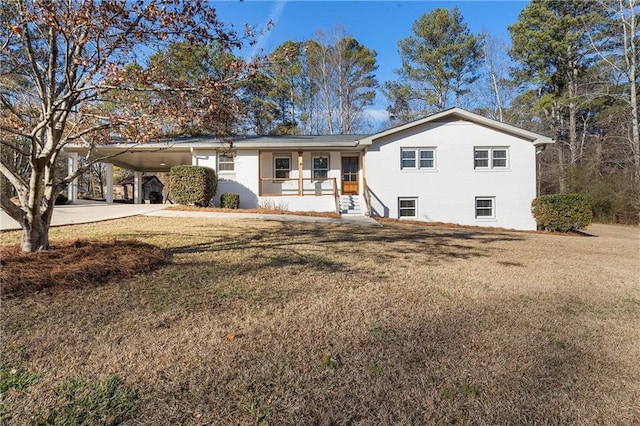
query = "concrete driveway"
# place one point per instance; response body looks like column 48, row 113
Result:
column 86, row 211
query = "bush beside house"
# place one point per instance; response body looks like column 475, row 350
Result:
column 562, row 212
column 193, row 185
column 230, row 200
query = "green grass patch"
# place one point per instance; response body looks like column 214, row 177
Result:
column 80, row 401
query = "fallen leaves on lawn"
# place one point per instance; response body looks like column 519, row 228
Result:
column 74, row 264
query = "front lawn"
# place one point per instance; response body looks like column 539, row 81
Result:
column 308, row 323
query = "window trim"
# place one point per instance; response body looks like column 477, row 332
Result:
column 276, row 170
column 493, row 208
column 417, row 158
column 314, row 169
column 414, row 208
column 490, row 157
column 232, row 161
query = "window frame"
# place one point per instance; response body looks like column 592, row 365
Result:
column 276, row 169
column 490, row 158
column 232, row 161
column 414, row 208
column 417, row 158
column 492, row 208
column 314, row 169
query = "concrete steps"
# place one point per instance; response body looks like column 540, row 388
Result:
column 350, row 205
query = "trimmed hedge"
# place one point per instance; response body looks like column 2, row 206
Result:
column 562, row 212
column 229, row 200
column 193, row 185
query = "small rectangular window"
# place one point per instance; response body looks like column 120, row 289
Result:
column 407, row 208
column 485, row 208
column 226, row 162
column 499, row 158
column 481, row 158
column 320, row 167
column 427, row 159
column 282, row 166
column 408, row 159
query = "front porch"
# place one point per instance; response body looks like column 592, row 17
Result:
column 299, row 172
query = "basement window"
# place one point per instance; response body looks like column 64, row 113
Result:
column 407, row 208
column 485, row 208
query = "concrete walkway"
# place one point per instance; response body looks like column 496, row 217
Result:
column 85, row 212
column 95, row 211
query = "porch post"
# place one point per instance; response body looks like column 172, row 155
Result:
column 137, row 187
column 72, row 167
column 259, row 173
column 300, row 169
column 109, row 183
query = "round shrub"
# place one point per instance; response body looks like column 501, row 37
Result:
column 229, row 200
column 562, row 212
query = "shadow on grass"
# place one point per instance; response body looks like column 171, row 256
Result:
column 383, row 244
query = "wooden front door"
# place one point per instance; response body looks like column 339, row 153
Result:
column 349, row 175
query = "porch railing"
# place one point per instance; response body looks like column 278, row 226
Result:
column 282, row 187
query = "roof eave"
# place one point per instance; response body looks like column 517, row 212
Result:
column 535, row 138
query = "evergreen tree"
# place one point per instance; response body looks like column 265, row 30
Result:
column 439, row 62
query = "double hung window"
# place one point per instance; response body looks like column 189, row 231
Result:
column 226, row 162
column 408, row 208
column 320, row 167
column 485, row 208
column 282, row 167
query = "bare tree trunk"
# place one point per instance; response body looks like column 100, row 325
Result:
column 573, row 112
column 562, row 175
column 496, row 92
column 35, row 235
column 631, row 58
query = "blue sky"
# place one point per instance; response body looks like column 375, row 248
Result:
column 378, row 25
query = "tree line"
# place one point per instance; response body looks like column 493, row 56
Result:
column 88, row 72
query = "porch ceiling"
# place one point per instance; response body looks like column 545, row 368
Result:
column 143, row 159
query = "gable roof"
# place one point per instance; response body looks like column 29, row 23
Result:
column 130, row 180
column 462, row 114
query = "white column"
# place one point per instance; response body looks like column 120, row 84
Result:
column 137, row 188
column 109, row 183
column 72, row 165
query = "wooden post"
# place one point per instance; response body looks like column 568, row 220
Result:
column 300, row 169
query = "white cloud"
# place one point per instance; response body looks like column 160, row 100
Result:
column 377, row 115
column 272, row 20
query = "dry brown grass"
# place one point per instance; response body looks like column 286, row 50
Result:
column 256, row 210
column 302, row 323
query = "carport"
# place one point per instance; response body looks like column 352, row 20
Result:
column 152, row 157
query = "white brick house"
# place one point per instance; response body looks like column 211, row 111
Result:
column 453, row 167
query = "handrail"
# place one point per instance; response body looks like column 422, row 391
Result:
column 367, row 197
